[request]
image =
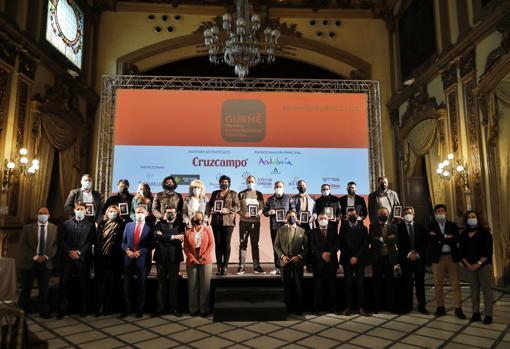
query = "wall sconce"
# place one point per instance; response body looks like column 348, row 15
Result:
column 18, row 166
column 451, row 167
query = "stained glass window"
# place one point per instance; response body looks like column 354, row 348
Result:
column 64, row 29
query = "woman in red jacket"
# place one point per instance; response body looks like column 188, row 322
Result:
column 198, row 247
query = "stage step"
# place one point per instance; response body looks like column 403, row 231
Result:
column 249, row 304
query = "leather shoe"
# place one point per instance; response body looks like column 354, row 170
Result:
column 423, row 311
column 60, row 316
column 460, row 314
column 475, row 317
column 362, row 312
column 347, row 312
column 124, row 314
column 440, row 311
column 45, row 315
column 139, row 315
column 487, row 320
column 177, row 313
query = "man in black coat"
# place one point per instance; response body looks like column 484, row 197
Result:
column 91, row 198
column 412, row 247
column 168, row 235
column 75, row 237
column 353, row 200
column 444, row 255
column 354, row 241
column 324, row 244
column 123, row 198
column 327, row 200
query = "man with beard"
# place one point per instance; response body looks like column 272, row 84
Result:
column 353, row 200
column 121, row 197
column 382, row 197
column 167, row 198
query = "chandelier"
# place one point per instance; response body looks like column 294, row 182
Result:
column 241, row 44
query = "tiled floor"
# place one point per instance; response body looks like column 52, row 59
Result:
column 309, row 331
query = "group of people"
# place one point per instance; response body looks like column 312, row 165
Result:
column 118, row 237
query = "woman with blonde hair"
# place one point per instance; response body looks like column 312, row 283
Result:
column 198, row 247
column 143, row 197
column 196, row 201
column 108, row 258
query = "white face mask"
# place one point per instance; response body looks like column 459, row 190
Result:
column 43, row 218
column 140, row 217
column 472, row 222
column 408, row 218
column 323, row 223
column 440, row 216
column 250, row 186
column 278, row 191
column 86, row 185
column 112, row 216
column 79, row 214
column 325, row 192
column 196, row 191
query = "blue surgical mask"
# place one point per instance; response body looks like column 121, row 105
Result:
column 472, row 222
column 79, row 214
column 112, row 216
column 250, row 186
column 87, row 185
column 292, row 220
column 43, row 218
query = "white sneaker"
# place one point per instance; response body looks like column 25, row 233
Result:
column 274, row 272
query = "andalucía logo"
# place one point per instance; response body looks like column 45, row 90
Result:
column 275, row 171
column 274, row 162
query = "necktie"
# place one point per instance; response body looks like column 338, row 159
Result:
column 324, row 232
column 136, row 239
column 411, row 236
column 42, row 243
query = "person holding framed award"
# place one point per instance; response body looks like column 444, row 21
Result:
column 353, row 200
column 276, row 208
column 382, row 197
column 88, row 196
column 305, row 206
column 224, row 205
column 330, row 205
column 122, row 199
column 167, row 198
column 251, row 202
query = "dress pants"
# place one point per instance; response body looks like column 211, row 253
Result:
column 107, row 274
column 413, row 274
column 354, row 276
column 325, row 282
column 135, row 266
column 222, row 237
column 383, row 284
column 275, row 256
column 199, row 287
column 446, row 262
column 40, row 272
column 81, row 268
column 168, row 283
column 292, row 277
column 481, row 278
column 251, row 231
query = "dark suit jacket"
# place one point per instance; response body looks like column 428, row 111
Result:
column 437, row 241
column 404, row 243
column 354, row 243
column 329, row 201
column 373, row 206
column 298, row 245
column 116, row 199
column 168, row 250
column 144, row 244
column 274, row 202
column 79, row 240
column 28, row 244
column 76, row 195
column 320, row 244
column 390, row 241
column 359, row 203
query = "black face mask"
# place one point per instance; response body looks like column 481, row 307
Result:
column 352, row 219
column 383, row 219
column 170, row 216
column 197, row 221
column 301, row 190
column 383, row 186
column 169, row 187
column 351, row 191
column 124, row 191
column 223, row 186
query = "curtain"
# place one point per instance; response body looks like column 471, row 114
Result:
column 422, row 136
column 69, row 167
column 436, row 184
column 59, row 131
